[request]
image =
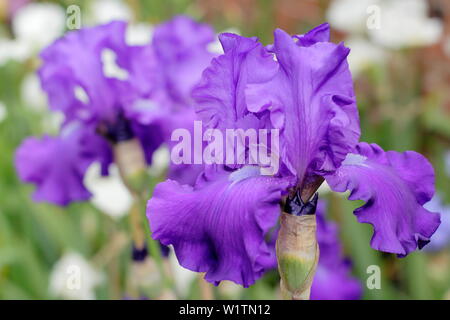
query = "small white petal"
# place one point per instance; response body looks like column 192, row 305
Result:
column 405, row 23
column 139, row 34
column 160, row 161
column 39, row 24
column 110, row 67
column 32, row 94
column 3, row 112
column 14, row 50
column 73, row 277
column 349, row 15
column 52, row 122
column 109, row 194
column 104, row 11
column 363, row 54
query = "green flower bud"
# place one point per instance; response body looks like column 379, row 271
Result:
column 297, row 254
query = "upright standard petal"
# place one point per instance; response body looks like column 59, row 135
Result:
column 219, row 226
column 395, row 186
column 92, row 73
column 313, row 91
column 56, row 165
column 73, row 64
column 181, row 47
column 333, row 280
column 318, row 34
column 220, row 95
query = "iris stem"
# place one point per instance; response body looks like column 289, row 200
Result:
column 130, row 160
column 155, row 248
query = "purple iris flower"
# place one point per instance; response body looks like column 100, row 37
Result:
column 302, row 86
column 110, row 92
column 332, row 280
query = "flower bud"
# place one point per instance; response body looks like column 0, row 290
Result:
column 297, row 252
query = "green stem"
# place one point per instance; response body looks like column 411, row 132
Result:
column 416, row 275
column 154, row 248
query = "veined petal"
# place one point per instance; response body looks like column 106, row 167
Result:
column 220, row 95
column 313, row 90
column 219, row 226
column 56, row 165
column 395, row 186
column 184, row 173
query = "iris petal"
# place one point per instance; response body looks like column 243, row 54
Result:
column 219, row 227
column 56, row 165
column 311, row 100
column 181, row 48
column 73, row 63
column 395, row 186
column 220, row 94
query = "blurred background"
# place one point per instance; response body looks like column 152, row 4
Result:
column 401, row 68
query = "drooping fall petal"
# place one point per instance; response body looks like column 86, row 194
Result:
column 219, row 226
column 56, row 165
column 395, row 186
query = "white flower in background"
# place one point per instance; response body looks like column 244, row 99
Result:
column 160, row 161
column 183, row 278
column 230, row 289
column 38, row 24
column 32, row 94
column 73, row 277
column 405, row 23
column 139, row 34
column 3, row 112
column 109, row 194
column 51, row 123
column 104, row 11
column 13, row 50
column 350, row 15
column 363, row 54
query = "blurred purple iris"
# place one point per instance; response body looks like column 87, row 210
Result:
column 110, row 92
column 441, row 238
column 302, row 86
column 332, row 280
